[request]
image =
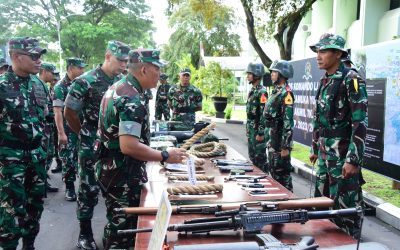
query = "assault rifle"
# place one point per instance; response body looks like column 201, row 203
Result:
column 262, row 206
column 266, row 241
column 251, row 222
column 269, row 242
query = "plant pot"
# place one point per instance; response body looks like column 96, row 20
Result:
column 220, row 105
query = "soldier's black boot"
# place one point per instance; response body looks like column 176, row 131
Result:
column 85, row 240
column 50, row 188
column 70, row 194
column 58, row 167
column 28, row 244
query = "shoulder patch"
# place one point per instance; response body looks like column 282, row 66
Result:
column 355, row 84
column 288, row 99
column 263, row 98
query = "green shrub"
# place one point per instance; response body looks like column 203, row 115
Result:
column 228, row 111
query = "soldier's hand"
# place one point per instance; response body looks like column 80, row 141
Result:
column 349, row 170
column 176, row 155
column 62, row 139
column 313, row 158
column 259, row 138
column 284, row 153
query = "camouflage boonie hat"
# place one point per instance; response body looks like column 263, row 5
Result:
column 256, row 69
column 185, row 71
column 330, row 41
column 146, row 56
column 3, row 62
column 163, row 76
column 28, row 44
column 119, row 49
column 74, row 61
column 50, row 67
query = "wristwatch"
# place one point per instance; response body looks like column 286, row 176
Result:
column 165, row 156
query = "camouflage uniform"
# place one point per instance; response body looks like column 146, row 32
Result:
column 340, row 124
column 184, row 100
column 162, row 107
column 50, row 126
column 148, row 95
column 69, row 152
column 254, row 109
column 3, row 65
column 24, row 108
column 123, row 111
column 278, row 121
column 84, row 96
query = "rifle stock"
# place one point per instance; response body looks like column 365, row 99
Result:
column 320, row 202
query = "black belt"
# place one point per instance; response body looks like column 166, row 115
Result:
column 20, row 145
column 338, row 132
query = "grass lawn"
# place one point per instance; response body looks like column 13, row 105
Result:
column 238, row 115
column 377, row 185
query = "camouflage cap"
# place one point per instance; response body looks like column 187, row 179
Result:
column 119, row 49
column 78, row 62
column 185, row 71
column 146, row 56
column 28, row 44
column 163, row 76
column 3, row 62
column 50, row 67
column 56, row 76
column 330, row 41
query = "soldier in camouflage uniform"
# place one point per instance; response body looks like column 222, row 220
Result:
column 162, row 99
column 3, row 65
column 24, row 110
column 277, row 120
column 340, row 125
column 124, row 144
column 254, row 108
column 84, row 97
column 67, row 140
column 185, row 99
column 149, row 95
column 46, row 74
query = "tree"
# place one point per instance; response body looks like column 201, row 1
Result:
column 192, row 24
column 277, row 18
column 82, row 34
column 215, row 81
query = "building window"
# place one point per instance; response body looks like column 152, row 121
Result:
column 394, row 4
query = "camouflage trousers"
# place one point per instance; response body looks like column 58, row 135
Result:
column 346, row 193
column 88, row 188
column 117, row 197
column 22, row 189
column 256, row 149
column 188, row 120
column 280, row 168
column 50, row 147
column 69, row 157
column 162, row 109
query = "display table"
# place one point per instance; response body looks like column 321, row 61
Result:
column 326, row 233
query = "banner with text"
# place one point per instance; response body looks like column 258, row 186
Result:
column 304, row 85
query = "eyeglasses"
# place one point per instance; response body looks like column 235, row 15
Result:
column 187, row 75
column 34, row 56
